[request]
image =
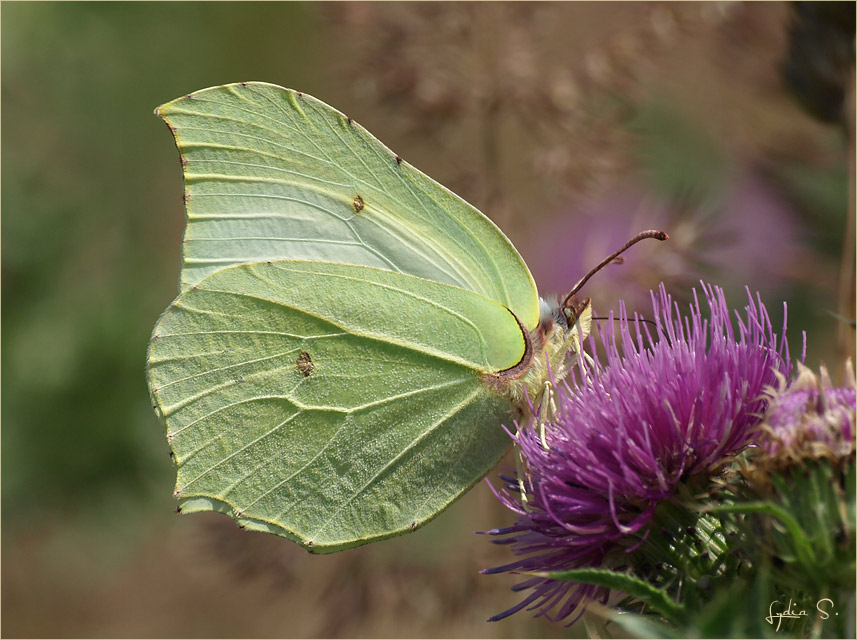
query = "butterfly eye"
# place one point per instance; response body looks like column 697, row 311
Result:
column 574, row 308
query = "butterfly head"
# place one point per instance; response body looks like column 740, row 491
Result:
column 557, row 341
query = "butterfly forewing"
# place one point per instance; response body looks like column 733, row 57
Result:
column 271, row 173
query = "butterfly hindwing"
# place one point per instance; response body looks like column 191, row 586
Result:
column 332, row 404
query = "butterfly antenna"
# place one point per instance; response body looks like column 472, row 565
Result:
column 643, row 235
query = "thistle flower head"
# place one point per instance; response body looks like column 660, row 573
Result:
column 808, row 418
column 670, row 403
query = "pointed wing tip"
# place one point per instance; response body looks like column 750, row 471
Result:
column 162, row 111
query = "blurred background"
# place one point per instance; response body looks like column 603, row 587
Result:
column 573, row 126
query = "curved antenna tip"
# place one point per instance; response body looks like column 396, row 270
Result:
column 643, row 235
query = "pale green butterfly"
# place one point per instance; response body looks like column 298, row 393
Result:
column 349, row 335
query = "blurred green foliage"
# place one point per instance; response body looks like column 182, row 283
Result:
column 92, row 219
column 682, row 160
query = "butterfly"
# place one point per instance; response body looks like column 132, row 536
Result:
column 349, row 336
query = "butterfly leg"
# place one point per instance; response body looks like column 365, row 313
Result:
column 547, row 411
column 519, row 471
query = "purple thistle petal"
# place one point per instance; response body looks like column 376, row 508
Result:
column 663, row 408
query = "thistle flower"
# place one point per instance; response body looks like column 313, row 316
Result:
column 809, row 418
column 663, row 410
column 789, row 504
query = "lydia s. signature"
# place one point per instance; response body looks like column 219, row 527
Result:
column 822, row 606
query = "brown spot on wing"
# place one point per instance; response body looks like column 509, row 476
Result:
column 305, row 364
